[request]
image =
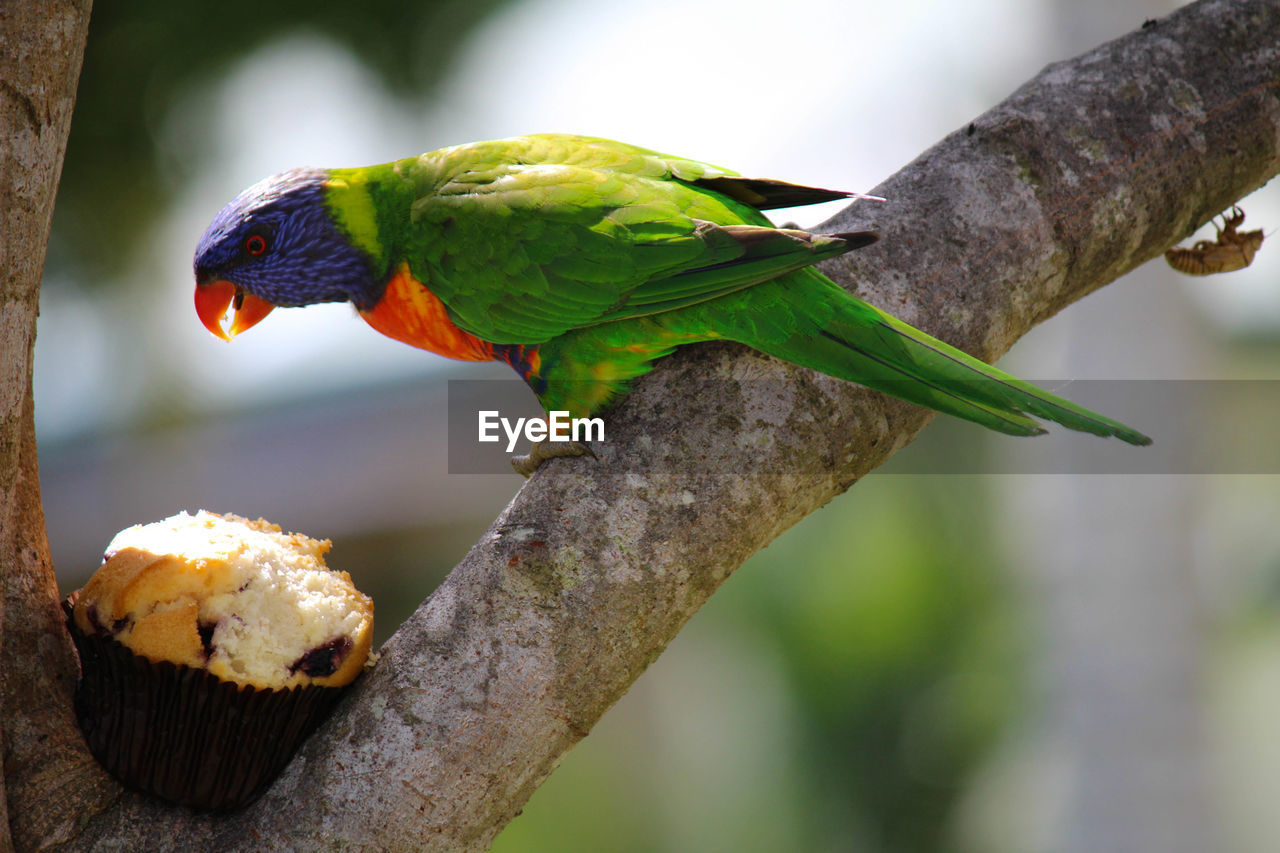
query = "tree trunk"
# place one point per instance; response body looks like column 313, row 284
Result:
column 1090, row 169
column 41, row 45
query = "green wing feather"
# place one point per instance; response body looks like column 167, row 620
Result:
column 530, row 239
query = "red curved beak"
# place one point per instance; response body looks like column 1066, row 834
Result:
column 213, row 300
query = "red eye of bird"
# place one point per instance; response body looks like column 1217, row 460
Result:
column 255, row 245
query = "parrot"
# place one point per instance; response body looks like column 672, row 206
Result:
column 580, row 261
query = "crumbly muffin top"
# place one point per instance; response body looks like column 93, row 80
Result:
column 241, row 598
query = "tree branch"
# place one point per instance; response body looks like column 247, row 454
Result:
column 1090, row 169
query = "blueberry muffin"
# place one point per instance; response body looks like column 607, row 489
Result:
column 227, row 638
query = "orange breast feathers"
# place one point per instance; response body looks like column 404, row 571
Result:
column 411, row 313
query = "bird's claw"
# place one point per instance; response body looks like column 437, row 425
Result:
column 541, row 451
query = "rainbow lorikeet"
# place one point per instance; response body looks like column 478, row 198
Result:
column 579, row 261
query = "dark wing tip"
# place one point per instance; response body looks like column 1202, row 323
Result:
column 856, row 239
column 766, row 194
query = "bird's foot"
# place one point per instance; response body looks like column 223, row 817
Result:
column 541, row 451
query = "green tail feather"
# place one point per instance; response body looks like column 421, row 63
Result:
column 997, row 389
column 925, row 386
column 865, row 345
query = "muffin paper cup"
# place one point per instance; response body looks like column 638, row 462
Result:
column 184, row 735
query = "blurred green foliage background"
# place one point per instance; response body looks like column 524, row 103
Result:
column 933, row 662
column 839, row 693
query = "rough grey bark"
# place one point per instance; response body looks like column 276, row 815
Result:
column 41, row 44
column 1092, row 168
